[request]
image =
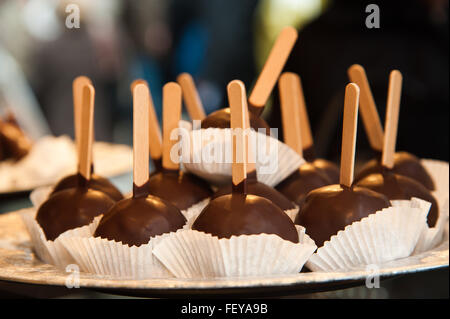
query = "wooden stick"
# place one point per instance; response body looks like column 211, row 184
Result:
column 290, row 96
column 305, row 127
column 392, row 114
column 171, row 118
column 155, row 139
column 349, row 130
column 272, row 69
column 86, row 131
column 77, row 91
column 251, row 161
column 237, row 99
column 140, row 136
column 369, row 113
column 191, row 97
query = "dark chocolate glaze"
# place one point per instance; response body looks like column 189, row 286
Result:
column 181, row 189
column 260, row 189
column 71, row 208
column 13, row 141
column 329, row 209
column 405, row 164
column 302, row 181
column 329, row 168
column 133, row 221
column 396, row 186
column 238, row 214
column 221, row 119
column 95, row 182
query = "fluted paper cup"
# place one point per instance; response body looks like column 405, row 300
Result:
column 292, row 213
column 194, row 254
column 386, row 235
column 114, row 259
column 277, row 162
column 52, row 251
column 192, row 212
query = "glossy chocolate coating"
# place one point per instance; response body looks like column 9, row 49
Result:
column 302, row 181
column 405, row 164
column 95, row 182
column 260, row 189
column 13, row 142
column 71, row 208
column 329, row 209
column 133, row 221
column 329, row 168
column 396, row 186
column 238, row 214
column 221, row 119
column 181, row 189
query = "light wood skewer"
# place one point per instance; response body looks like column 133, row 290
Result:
column 171, row 118
column 77, row 92
column 272, row 69
column 392, row 115
column 191, row 97
column 350, row 125
column 369, row 113
column 86, row 131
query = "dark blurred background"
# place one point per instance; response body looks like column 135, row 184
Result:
column 217, row 41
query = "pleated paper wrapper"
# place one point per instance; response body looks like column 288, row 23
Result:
column 49, row 251
column 386, row 235
column 194, row 254
column 279, row 162
column 114, row 259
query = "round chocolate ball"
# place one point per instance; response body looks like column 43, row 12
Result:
column 71, row 208
column 96, row 182
column 134, row 221
column 329, row 168
column 260, row 189
column 181, row 189
column 329, row 209
column 395, row 186
column 307, row 178
column 405, row 164
column 222, row 118
column 238, row 214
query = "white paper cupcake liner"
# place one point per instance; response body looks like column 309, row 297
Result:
column 386, row 235
column 284, row 161
column 114, row 259
column 292, row 213
column 194, row 254
column 53, row 252
column 192, row 212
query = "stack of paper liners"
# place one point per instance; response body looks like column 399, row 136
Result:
column 202, row 142
column 386, row 235
column 194, row 254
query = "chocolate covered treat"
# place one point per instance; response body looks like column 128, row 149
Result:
column 387, row 181
column 134, row 221
column 260, row 93
column 77, row 206
column 308, row 176
column 171, row 184
column 329, row 209
column 14, row 144
column 240, row 213
column 404, row 163
column 95, row 181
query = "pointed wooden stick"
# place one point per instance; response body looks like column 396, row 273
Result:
column 290, row 96
column 238, row 104
column 155, row 139
column 86, row 131
column 171, row 119
column 191, row 97
column 272, row 69
column 349, row 130
column 140, row 134
column 77, row 91
column 369, row 113
column 392, row 114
